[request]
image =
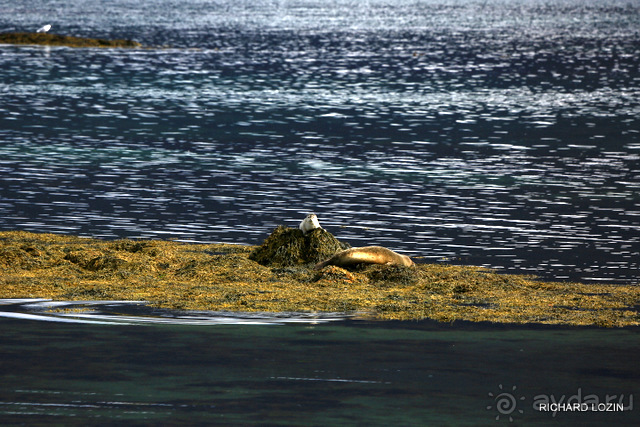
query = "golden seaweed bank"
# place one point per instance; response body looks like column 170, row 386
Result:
column 278, row 276
column 49, row 39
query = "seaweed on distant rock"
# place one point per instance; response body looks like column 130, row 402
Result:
column 49, row 39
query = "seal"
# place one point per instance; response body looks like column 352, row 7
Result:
column 309, row 223
column 365, row 255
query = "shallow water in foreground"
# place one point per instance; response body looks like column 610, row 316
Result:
column 321, row 372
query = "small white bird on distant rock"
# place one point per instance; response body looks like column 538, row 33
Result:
column 44, row 29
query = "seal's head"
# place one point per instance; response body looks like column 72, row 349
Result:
column 309, row 223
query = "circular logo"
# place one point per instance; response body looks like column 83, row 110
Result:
column 505, row 403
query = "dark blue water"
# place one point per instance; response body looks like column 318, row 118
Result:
column 127, row 365
column 494, row 133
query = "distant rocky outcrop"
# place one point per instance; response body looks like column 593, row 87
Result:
column 48, row 39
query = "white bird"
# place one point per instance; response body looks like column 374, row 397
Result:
column 309, row 223
column 44, row 29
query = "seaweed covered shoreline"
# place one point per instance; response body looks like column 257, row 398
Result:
column 49, row 39
column 186, row 276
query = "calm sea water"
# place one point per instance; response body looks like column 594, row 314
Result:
column 494, row 133
column 124, row 364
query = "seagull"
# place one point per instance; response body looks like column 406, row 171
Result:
column 44, row 29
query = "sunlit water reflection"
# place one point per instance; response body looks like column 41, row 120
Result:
column 139, row 313
column 493, row 133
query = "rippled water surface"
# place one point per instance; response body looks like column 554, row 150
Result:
column 496, row 133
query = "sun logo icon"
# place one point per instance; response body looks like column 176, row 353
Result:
column 506, row 403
